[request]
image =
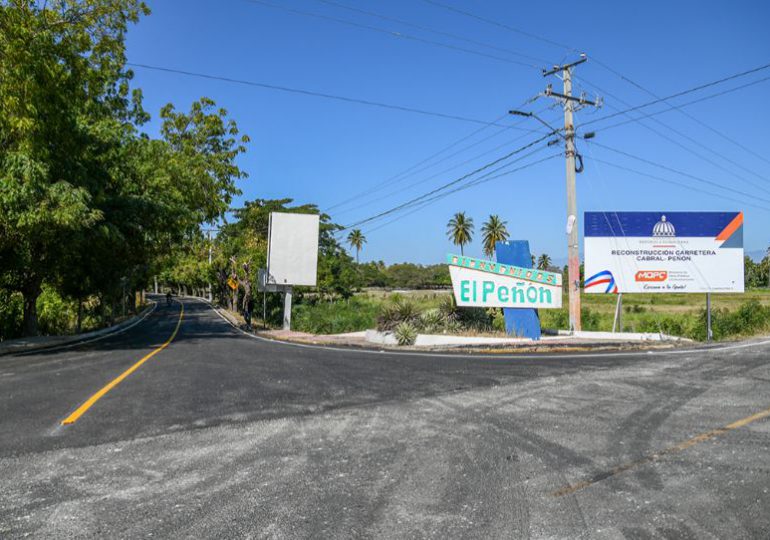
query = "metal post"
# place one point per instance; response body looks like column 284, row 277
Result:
column 287, row 308
column 264, row 308
column 618, row 322
column 708, row 317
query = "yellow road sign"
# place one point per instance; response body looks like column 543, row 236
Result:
column 232, row 283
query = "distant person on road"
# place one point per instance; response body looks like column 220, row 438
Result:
column 168, row 298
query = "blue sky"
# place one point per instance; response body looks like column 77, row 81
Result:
column 324, row 151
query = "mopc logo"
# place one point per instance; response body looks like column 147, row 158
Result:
column 651, row 275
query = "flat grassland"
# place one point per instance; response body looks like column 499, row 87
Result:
column 680, row 314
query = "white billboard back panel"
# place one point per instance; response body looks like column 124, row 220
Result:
column 292, row 249
column 663, row 252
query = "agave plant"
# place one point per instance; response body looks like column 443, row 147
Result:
column 397, row 311
column 432, row 321
column 406, row 334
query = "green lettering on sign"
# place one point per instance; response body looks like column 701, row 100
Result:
column 464, row 289
column 487, row 288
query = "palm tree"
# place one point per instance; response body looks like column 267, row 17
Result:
column 460, row 230
column 544, row 262
column 494, row 231
column 356, row 239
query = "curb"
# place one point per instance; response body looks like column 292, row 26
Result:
column 68, row 341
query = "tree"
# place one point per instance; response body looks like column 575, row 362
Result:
column 356, row 239
column 89, row 206
column 460, row 230
column 65, row 99
column 544, row 262
column 494, row 230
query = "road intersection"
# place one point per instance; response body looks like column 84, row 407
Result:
column 212, row 433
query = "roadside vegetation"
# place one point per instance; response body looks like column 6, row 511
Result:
column 434, row 312
column 91, row 205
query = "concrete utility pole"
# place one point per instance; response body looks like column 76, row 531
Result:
column 573, row 254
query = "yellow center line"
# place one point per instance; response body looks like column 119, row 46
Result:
column 72, row 418
column 651, row 458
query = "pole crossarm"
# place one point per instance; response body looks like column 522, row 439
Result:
column 557, row 69
column 581, row 100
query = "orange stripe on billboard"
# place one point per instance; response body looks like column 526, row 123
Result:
column 728, row 231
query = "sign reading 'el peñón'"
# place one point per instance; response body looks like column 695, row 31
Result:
column 483, row 283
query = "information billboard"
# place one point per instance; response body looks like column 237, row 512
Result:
column 663, row 252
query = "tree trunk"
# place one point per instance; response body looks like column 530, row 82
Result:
column 79, row 324
column 31, row 294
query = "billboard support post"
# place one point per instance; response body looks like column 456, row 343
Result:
column 618, row 322
column 708, row 317
column 287, row 308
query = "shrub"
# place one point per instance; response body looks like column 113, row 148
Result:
column 396, row 311
column 350, row 315
column 406, row 334
column 11, row 315
column 498, row 320
column 432, row 322
column 448, row 308
column 56, row 316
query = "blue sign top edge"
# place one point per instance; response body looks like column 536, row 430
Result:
column 649, row 224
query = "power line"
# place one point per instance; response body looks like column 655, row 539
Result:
column 685, row 113
column 611, row 70
column 693, row 141
column 428, row 29
column 682, row 173
column 413, row 171
column 441, row 172
column 483, row 179
column 321, row 95
column 448, row 184
column 686, row 92
column 674, row 182
column 391, row 33
column 498, row 24
column 686, row 104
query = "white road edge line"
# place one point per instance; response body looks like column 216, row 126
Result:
column 477, row 356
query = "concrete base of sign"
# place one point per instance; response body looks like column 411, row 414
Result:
column 444, row 340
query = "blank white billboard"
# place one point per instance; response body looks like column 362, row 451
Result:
column 292, row 249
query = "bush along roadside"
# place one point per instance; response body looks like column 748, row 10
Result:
column 443, row 316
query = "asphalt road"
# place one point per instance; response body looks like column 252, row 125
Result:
column 221, row 435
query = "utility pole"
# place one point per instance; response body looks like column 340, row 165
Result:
column 571, row 104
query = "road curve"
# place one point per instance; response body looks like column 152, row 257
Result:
column 223, row 435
